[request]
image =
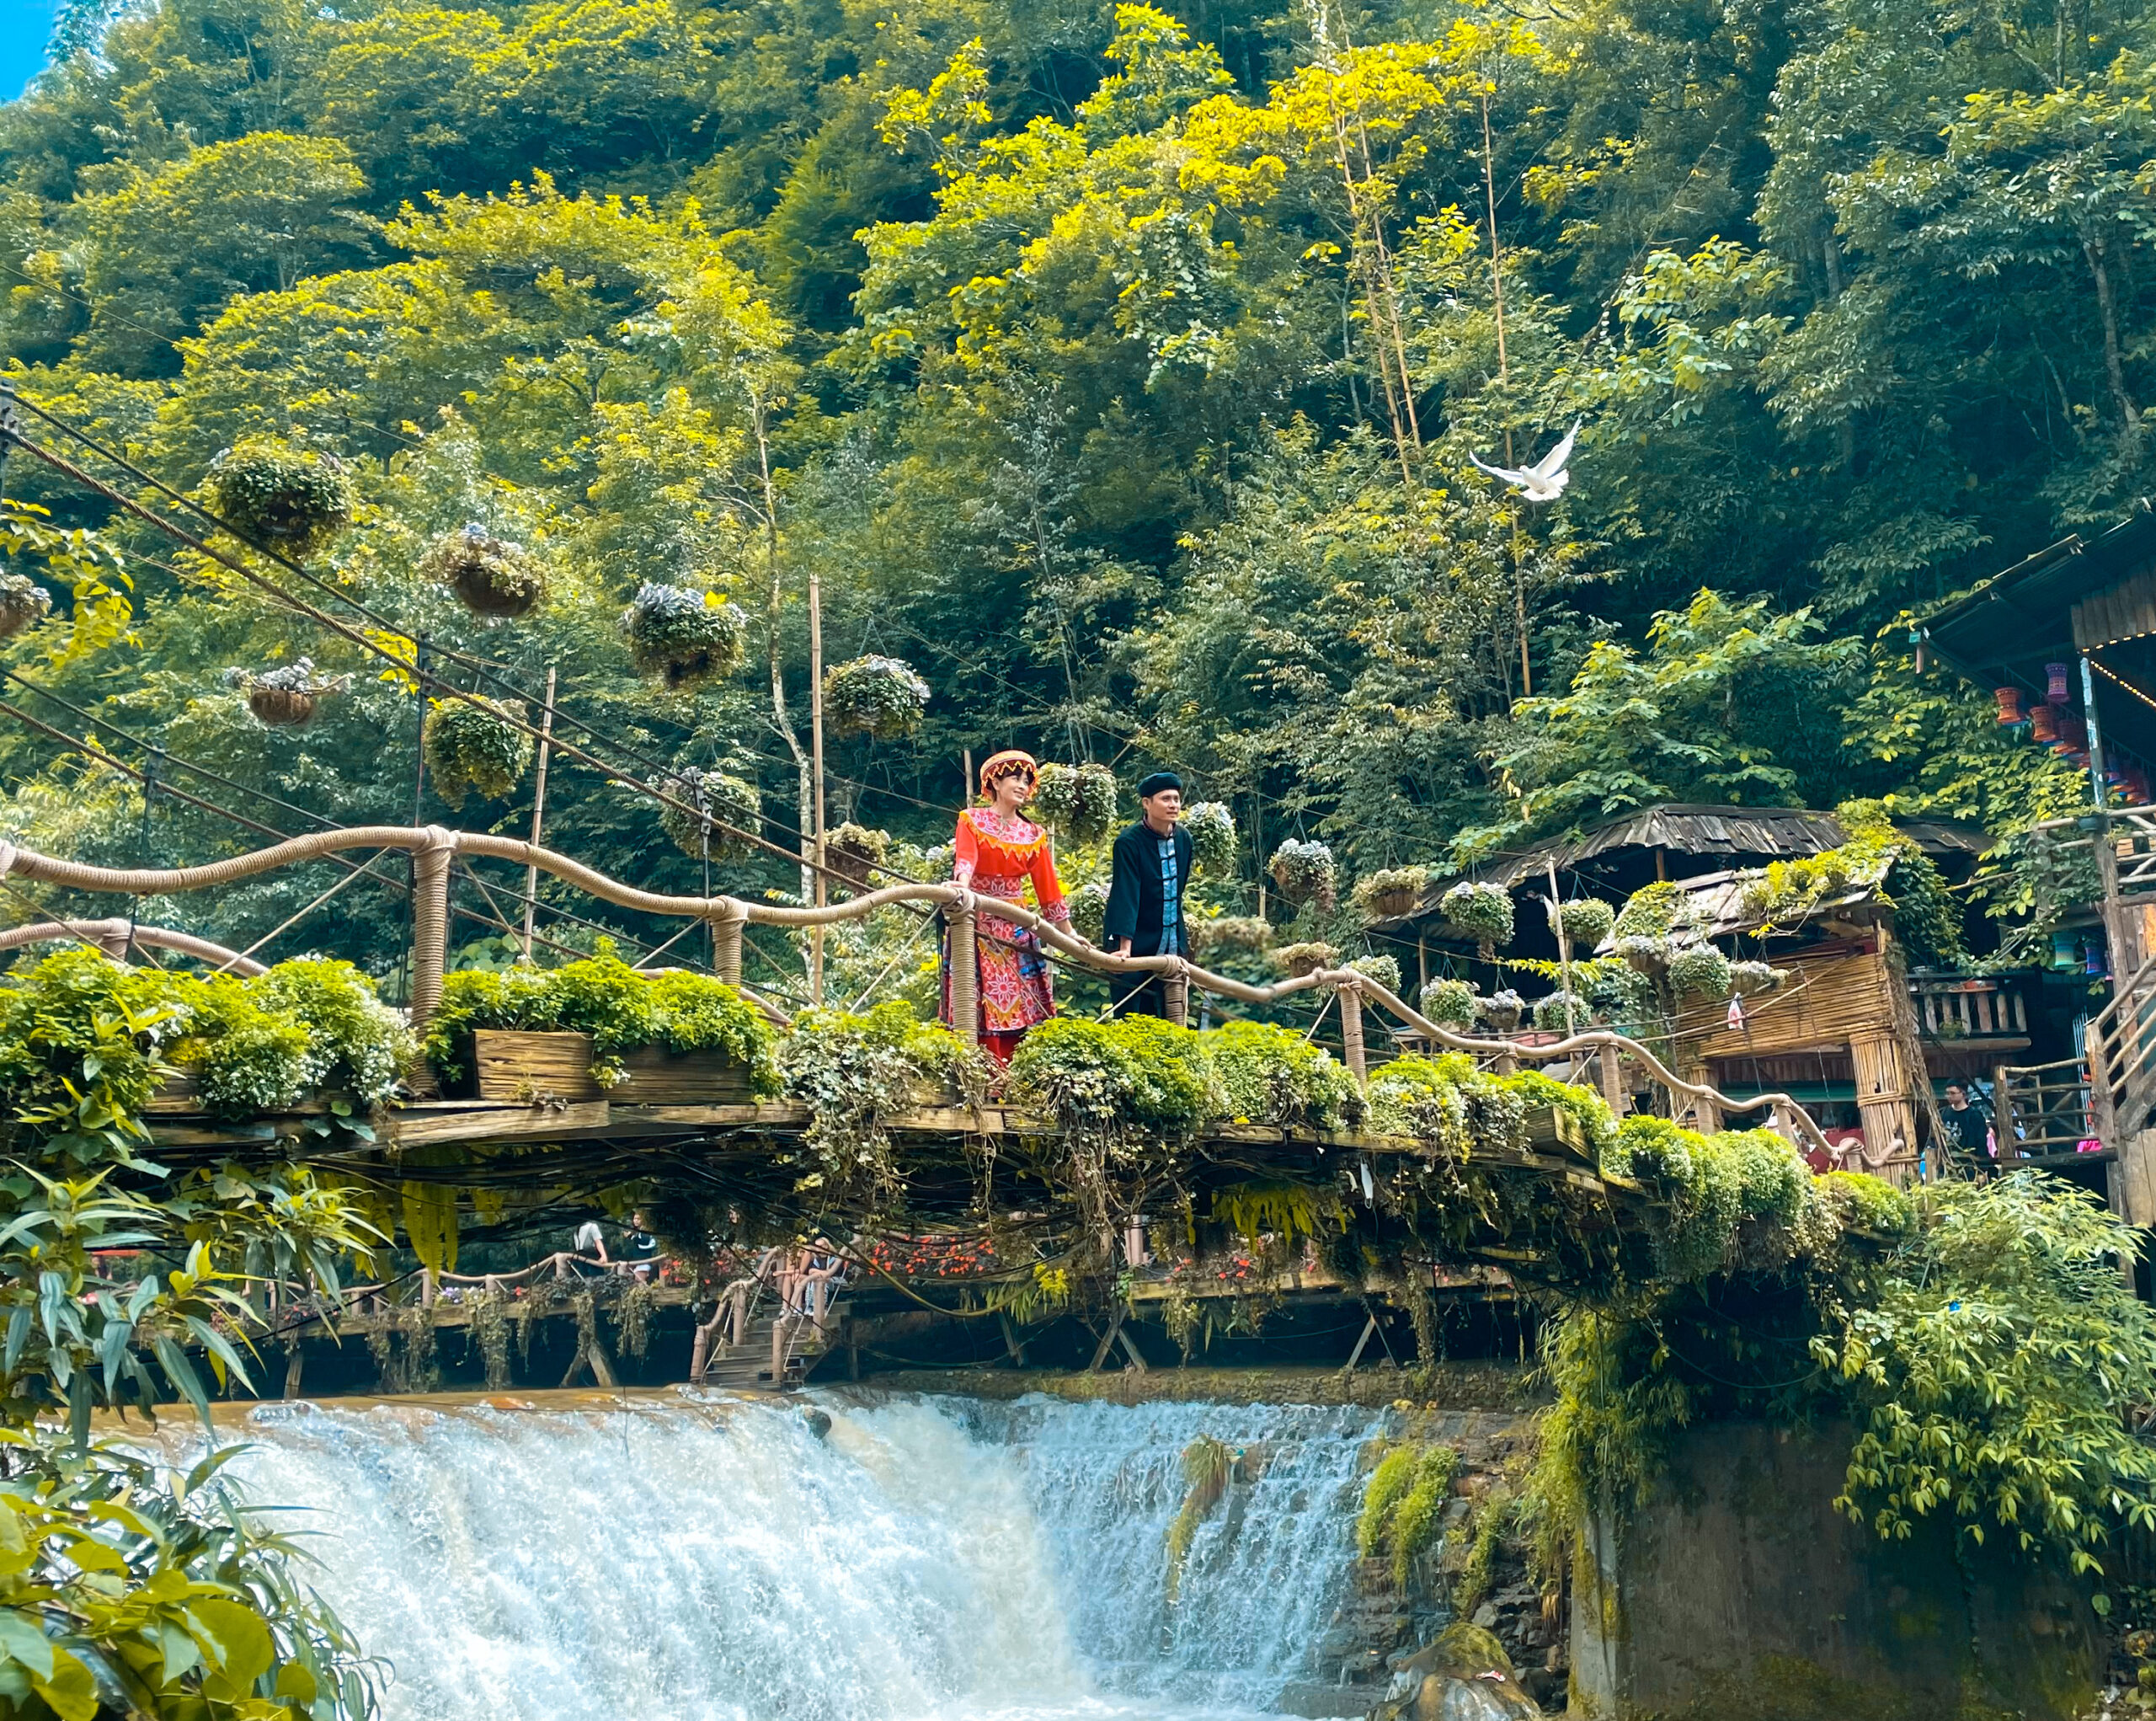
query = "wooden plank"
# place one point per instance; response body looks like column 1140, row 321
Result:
column 497, row 1123
column 514, row 1067
column 774, row 1114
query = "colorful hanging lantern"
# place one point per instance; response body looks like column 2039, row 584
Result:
column 2136, row 781
column 2043, row 723
column 2010, row 704
column 2056, row 691
column 2073, row 729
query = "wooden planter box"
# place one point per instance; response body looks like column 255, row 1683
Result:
column 518, row 1069
column 1552, row 1128
column 176, row 1097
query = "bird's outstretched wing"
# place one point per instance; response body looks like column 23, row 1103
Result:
column 1553, row 462
column 1500, row 472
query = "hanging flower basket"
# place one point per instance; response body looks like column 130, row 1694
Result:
column 1751, row 980
column 1482, row 912
column 1699, row 971
column 1077, row 802
column 1645, row 954
column 475, row 749
column 1550, row 1012
column 490, row 576
column 684, row 636
column 1089, row 910
column 874, row 696
column 854, row 852
column 1304, row 871
column 1212, row 830
column 1230, row 935
column 22, row 600
column 292, row 500
column 720, row 798
column 285, row 697
column 1296, row 961
column 1384, row 969
column 1585, row 921
column 1501, row 1010
column 1450, row 1002
column 1391, row 893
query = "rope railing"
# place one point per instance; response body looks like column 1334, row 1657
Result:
column 435, row 846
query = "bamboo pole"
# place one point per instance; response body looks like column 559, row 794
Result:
column 539, row 811
column 816, row 771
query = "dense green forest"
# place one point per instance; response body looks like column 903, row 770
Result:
column 1118, row 372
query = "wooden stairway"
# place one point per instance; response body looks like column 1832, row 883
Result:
column 747, row 1366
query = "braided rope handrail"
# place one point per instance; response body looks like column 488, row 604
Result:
column 112, row 936
column 434, row 840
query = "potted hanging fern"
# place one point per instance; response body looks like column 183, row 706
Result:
column 1076, row 801
column 854, row 852
column 292, row 500
column 476, row 748
column 1482, row 912
column 490, row 576
column 880, row 697
column 22, row 600
column 684, row 636
column 1296, row 961
column 1304, row 871
column 285, row 697
column 718, row 799
column 1212, row 830
column 1391, row 893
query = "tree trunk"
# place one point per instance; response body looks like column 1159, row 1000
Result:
column 2092, row 246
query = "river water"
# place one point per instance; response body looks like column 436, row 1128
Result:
column 928, row 1559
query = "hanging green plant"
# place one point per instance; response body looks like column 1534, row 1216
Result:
column 1303, row 870
column 490, row 576
column 854, row 852
column 1089, row 910
column 1585, row 921
column 1502, row 1009
column 684, row 636
column 1212, row 830
column 1077, row 802
column 1384, row 969
column 22, row 600
column 1482, row 912
column 289, row 500
column 1550, row 1012
column 874, row 696
column 285, row 697
column 476, row 748
column 719, row 799
column 1392, row 892
column 1296, row 961
column 1230, row 935
column 1751, row 980
column 1450, row 1002
column 1699, row 971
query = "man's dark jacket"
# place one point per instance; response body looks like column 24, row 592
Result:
column 1134, row 892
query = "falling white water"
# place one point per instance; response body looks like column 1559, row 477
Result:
column 930, row 1560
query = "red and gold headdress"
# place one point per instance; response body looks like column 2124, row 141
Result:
column 1004, row 764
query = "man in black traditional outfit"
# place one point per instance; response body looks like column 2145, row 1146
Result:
column 1151, row 872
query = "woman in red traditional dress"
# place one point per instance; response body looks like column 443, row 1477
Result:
column 997, row 850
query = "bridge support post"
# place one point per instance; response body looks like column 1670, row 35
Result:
column 429, row 940
column 1177, row 985
column 1613, row 1079
column 726, row 930
column 965, row 976
column 1350, row 1033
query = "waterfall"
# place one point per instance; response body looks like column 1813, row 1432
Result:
column 929, row 1559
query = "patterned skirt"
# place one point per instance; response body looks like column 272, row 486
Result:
column 1015, row 989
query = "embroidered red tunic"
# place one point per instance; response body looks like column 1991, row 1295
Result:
column 994, row 856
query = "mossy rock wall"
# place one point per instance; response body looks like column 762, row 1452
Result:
column 1738, row 1594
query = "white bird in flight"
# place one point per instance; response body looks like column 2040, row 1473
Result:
column 1545, row 480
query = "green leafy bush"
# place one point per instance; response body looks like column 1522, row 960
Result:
column 1076, row 801
column 356, row 1044
column 683, row 636
column 1587, row 1107
column 718, row 797
column 1713, row 1187
column 293, row 500
column 476, row 748
column 854, row 1071
column 875, row 695
column 1212, row 830
column 1652, row 912
column 490, row 576
column 1139, row 1073
column 622, row 1010
column 1273, row 1075
column 1861, row 1202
